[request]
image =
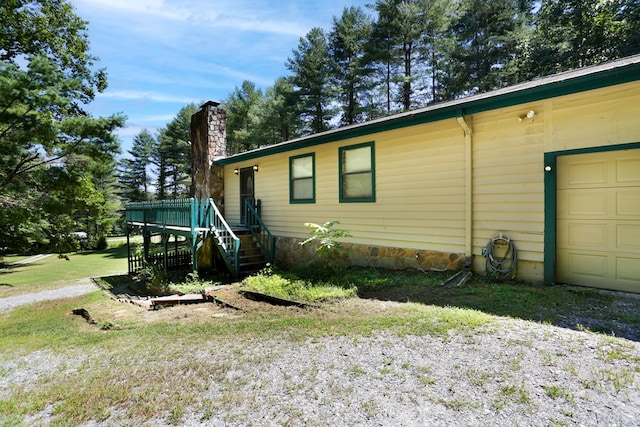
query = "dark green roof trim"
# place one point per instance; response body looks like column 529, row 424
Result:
column 618, row 72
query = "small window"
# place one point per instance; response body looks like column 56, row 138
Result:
column 357, row 173
column 302, row 188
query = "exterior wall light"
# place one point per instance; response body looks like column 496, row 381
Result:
column 547, row 168
column 236, row 171
column 255, row 168
column 531, row 115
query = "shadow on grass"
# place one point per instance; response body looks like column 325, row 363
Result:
column 117, row 252
column 607, row 312
column 16, row 268
column 121, row 284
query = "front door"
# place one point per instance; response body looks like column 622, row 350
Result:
column 246, row 190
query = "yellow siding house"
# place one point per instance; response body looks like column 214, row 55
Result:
column 551, row 167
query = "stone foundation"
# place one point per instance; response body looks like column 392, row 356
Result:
column 290, row 253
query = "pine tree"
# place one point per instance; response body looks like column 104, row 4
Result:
column 487, row 37
column 242, row 108
column 396, row 38
column 134, row 173
column 311, row 68
column 277, row 119
column 173, row 156
column 436, row 41
column 572, row 34
column 351, row 74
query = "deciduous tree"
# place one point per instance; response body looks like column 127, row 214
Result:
column 47, row 77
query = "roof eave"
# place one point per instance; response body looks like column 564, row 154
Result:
column 588, row 78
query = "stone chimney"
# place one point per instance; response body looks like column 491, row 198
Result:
column 208, row 143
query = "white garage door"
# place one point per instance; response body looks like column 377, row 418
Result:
column 598, row 220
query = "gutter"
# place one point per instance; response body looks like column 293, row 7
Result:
column 468, row 191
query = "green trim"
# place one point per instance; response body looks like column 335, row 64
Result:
column 313, row 179
column 550, row 201
column 550, row 209
column 341, row 150
column 545, row 88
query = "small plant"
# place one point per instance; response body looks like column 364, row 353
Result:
column 556, row 392
column 329, row 249
column 191, row 284
column 154, row 279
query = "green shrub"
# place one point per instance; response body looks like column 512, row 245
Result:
column 154, row 279
column 192, row 283
column 328, row 248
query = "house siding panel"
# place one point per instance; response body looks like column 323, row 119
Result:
column 596, row 118
column 508, row 190
column 419, row 191
column 420, row 176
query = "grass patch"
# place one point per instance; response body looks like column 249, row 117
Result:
column 292, row 287
column 566, row 306
column 557, row 392
column 53, row 269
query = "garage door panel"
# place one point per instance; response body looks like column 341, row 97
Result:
column 581, row 203
column 598, row 220
column 628, row 238
column 628, row 202
column 581, row 174
column 583, row 235
column 628, row 171
column 588, row 265
column 627, row 269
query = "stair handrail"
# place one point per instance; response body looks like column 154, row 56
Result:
column 263, row 236
column 228, row 243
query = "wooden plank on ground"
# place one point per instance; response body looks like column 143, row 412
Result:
column 178, row 299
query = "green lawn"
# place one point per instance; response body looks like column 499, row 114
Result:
column 53, row 269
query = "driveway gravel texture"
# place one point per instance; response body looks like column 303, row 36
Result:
column 509, row 373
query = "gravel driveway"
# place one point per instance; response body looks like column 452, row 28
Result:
column 511, row 373
column 81, row 287
column 515, row 374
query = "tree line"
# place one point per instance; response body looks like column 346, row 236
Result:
column 393, row 56
column 398, row 55
column 58, row 164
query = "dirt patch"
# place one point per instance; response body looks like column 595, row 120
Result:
column 226, row 302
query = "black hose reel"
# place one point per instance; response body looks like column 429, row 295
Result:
column 501, row 257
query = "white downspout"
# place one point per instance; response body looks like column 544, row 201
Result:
column 468, row 158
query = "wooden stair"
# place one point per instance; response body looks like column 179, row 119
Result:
column 252, row 258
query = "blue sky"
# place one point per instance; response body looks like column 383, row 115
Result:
column 161, row 55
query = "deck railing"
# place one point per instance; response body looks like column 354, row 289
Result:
column 191, row 217
column 259, row 230
column 228, row 243
column 173, row 213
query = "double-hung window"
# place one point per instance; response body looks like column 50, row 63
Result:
column 302, row 184
column 357, row 173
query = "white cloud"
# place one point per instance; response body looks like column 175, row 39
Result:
column 233, row 16
column 147, row 96
column 157, row 8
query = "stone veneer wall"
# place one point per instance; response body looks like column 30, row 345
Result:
column 208, row 142
column 289, row 253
